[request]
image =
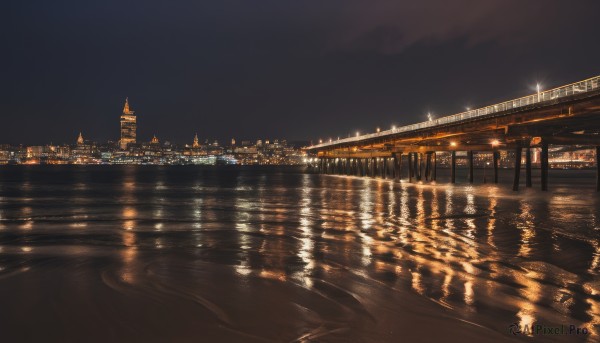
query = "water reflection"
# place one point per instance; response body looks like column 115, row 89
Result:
column 332, row 256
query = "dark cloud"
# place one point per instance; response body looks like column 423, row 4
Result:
column 265, row 69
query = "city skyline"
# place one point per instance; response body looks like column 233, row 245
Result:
column 128, row 149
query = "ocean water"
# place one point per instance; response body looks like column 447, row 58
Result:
column 275, row 254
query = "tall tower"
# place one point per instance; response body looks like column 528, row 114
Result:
column 80, row 139
column 128, row 126
column 196, row 143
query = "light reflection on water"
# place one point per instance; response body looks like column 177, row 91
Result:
column 331, row 255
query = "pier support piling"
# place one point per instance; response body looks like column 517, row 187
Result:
column 428, row 166
column 434, row 175
column 544, row 165
column 470, row 162
column 411, row 166
column 496, row 157
column 394, row 168
column 419, row 167
column 453, row 167
column 518, row 153
column 528, row 167
column 398, row 167
column 374, row 167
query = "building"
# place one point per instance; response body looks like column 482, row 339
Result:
column 82, row 152
column 5, row 154
column 128, row 126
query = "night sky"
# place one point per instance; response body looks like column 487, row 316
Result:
column 301, row 69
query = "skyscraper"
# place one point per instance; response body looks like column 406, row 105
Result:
column 128, row 126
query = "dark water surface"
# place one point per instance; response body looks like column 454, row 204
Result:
column 191, row 254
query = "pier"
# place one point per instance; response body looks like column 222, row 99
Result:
column 568, row 116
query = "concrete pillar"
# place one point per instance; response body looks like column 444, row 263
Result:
column 348, row 167
column 411, row 166
column 418, row 165
column 434, row 171
column 399, row 167
column 375, row 169
column 528, row 167
column 518, row 153
column 428, row 166
column 470, row 162
column 453, row 167
column 390, row 168
column 393, row 162
column 422, row 166
column 496, row 157
column 363, row 166
column 544, row 157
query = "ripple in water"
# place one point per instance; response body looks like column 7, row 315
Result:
column 274, row 254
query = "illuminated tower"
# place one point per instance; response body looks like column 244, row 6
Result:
column 196, row 144
column 128, row 126
column 80, row 139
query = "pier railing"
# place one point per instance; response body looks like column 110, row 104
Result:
column 539, row 97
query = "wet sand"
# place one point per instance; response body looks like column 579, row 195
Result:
column 155, row 254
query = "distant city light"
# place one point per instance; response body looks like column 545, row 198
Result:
column 452, row 143
column 393, row 127
column 357, row 133
column 495, row 142
column 429, row 117
column 378, row 129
